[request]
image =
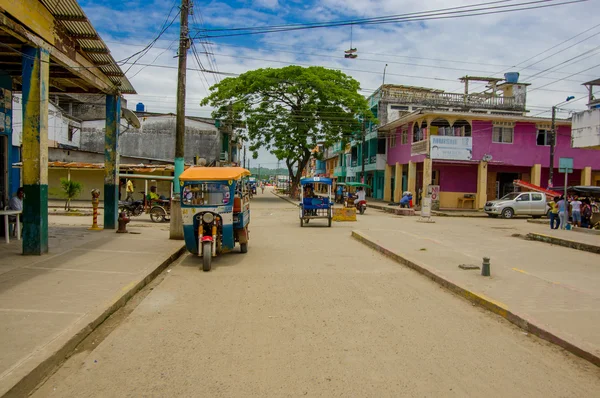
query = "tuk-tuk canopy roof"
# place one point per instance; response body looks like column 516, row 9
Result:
column 357, row 184
column 316, row 180
column 213, row 173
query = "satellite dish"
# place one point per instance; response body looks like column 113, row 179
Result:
column 131, row 118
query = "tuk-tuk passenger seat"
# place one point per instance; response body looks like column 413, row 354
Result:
column 237, row 204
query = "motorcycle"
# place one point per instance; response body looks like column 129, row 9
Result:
column 361, row 206
column 134, row 208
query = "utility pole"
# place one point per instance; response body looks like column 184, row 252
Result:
column 259, row 172
column 363, row 133
column 552, row 143
column 176, row 226
column 244, row 156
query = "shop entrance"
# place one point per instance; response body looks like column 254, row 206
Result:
column 505, row 183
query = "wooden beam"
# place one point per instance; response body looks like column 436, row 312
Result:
column 95, row 50
column 77, row 63
column 74, row 18
column 55, row 84
column 76, row 83
column 74, row 35
column 117, row 74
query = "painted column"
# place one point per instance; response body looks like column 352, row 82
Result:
column 482, row 172
column 586, row 176
column 387, row 187
column 536, row 174
column 412, row 179
column 398, row 183
column 36, row 76
column 111, row 161
column 427, row 175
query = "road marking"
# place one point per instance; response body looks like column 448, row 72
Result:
column 527, row 273
column 41, row 311
column 83, row 270
column 521, row 271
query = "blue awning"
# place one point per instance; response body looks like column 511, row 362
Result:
column 316, row 180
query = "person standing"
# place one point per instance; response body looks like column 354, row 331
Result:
column 586, row 213
column 554, row 213
column 563, row 212
column 130, row 189
column 576, row 211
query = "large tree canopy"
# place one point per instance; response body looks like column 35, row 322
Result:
column 290, row 110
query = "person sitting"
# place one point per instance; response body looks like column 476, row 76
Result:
column 16, row 203
column 361, row 195
column 154, row 197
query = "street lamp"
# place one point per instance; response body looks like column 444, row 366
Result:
column 553, row 140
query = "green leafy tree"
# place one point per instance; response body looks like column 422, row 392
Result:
column 71, row 190
column 290, row 110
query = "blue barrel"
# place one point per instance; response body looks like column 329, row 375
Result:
column 511, row 77
column 140, row 107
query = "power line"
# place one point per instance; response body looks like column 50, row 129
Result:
column 387, row 20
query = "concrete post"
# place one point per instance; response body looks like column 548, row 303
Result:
column 427, row 175
column 387, row 187
column 482, row 171
column 536, row 174
column 412, row 179
column 111, row 161
column 398, row 188
column 35, row 79
column 586, row 176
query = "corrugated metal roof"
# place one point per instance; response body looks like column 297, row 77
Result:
column 76, row 23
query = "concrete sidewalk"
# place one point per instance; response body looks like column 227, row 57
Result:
column 549, row 290
column 50, row 303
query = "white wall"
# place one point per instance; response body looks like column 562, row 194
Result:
column 585, row 130
column 58, row 125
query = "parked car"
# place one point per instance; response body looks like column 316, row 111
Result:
column 518, row 203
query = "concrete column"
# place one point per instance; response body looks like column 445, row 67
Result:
column 35, row 78
column 111, row 161
column 586, row 176
column 482, row 171
column 387, row 187
column 427, row 175
column 536, row 174
column 412, row 179
column 398, row 188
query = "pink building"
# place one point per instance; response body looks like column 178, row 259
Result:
column 475, row 156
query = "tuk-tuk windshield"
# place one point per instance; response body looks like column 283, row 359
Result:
column 206, row 194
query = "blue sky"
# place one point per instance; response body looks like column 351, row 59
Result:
column 428, row 54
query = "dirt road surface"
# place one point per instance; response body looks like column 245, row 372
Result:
column 310, row 312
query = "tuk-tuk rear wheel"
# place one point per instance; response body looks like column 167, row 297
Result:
column 206, row 256
column 244, row 247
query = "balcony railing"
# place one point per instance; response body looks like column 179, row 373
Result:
column 475, row 100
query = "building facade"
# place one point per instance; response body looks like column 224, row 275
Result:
column 478, row 156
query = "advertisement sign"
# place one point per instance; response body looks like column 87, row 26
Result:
column 435, row 193
column 451, row 148
column 419, row 148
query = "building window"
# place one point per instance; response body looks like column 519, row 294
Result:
column 503, row 135
column 419, row 133
column 71, row 133
column 404, row 136
column 543, row 137
column 393, row 140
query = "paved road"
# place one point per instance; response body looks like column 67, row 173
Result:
column 310, row 312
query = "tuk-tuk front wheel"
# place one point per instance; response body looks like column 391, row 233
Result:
column 206, row 256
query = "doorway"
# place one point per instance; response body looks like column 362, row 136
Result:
column 4, row 194
column 505, row 183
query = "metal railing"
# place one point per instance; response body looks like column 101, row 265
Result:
column 475, row 100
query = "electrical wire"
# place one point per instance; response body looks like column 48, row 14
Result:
column 383, row 20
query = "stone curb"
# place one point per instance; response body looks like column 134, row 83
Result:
column 287, row 199
column 586, row 247
column 47, row 367
column 480, row 300
column 584, row 230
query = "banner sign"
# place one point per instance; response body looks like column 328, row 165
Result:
column 451, row 148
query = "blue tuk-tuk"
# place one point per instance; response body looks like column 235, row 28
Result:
column 215, row 208
column 312, row 205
